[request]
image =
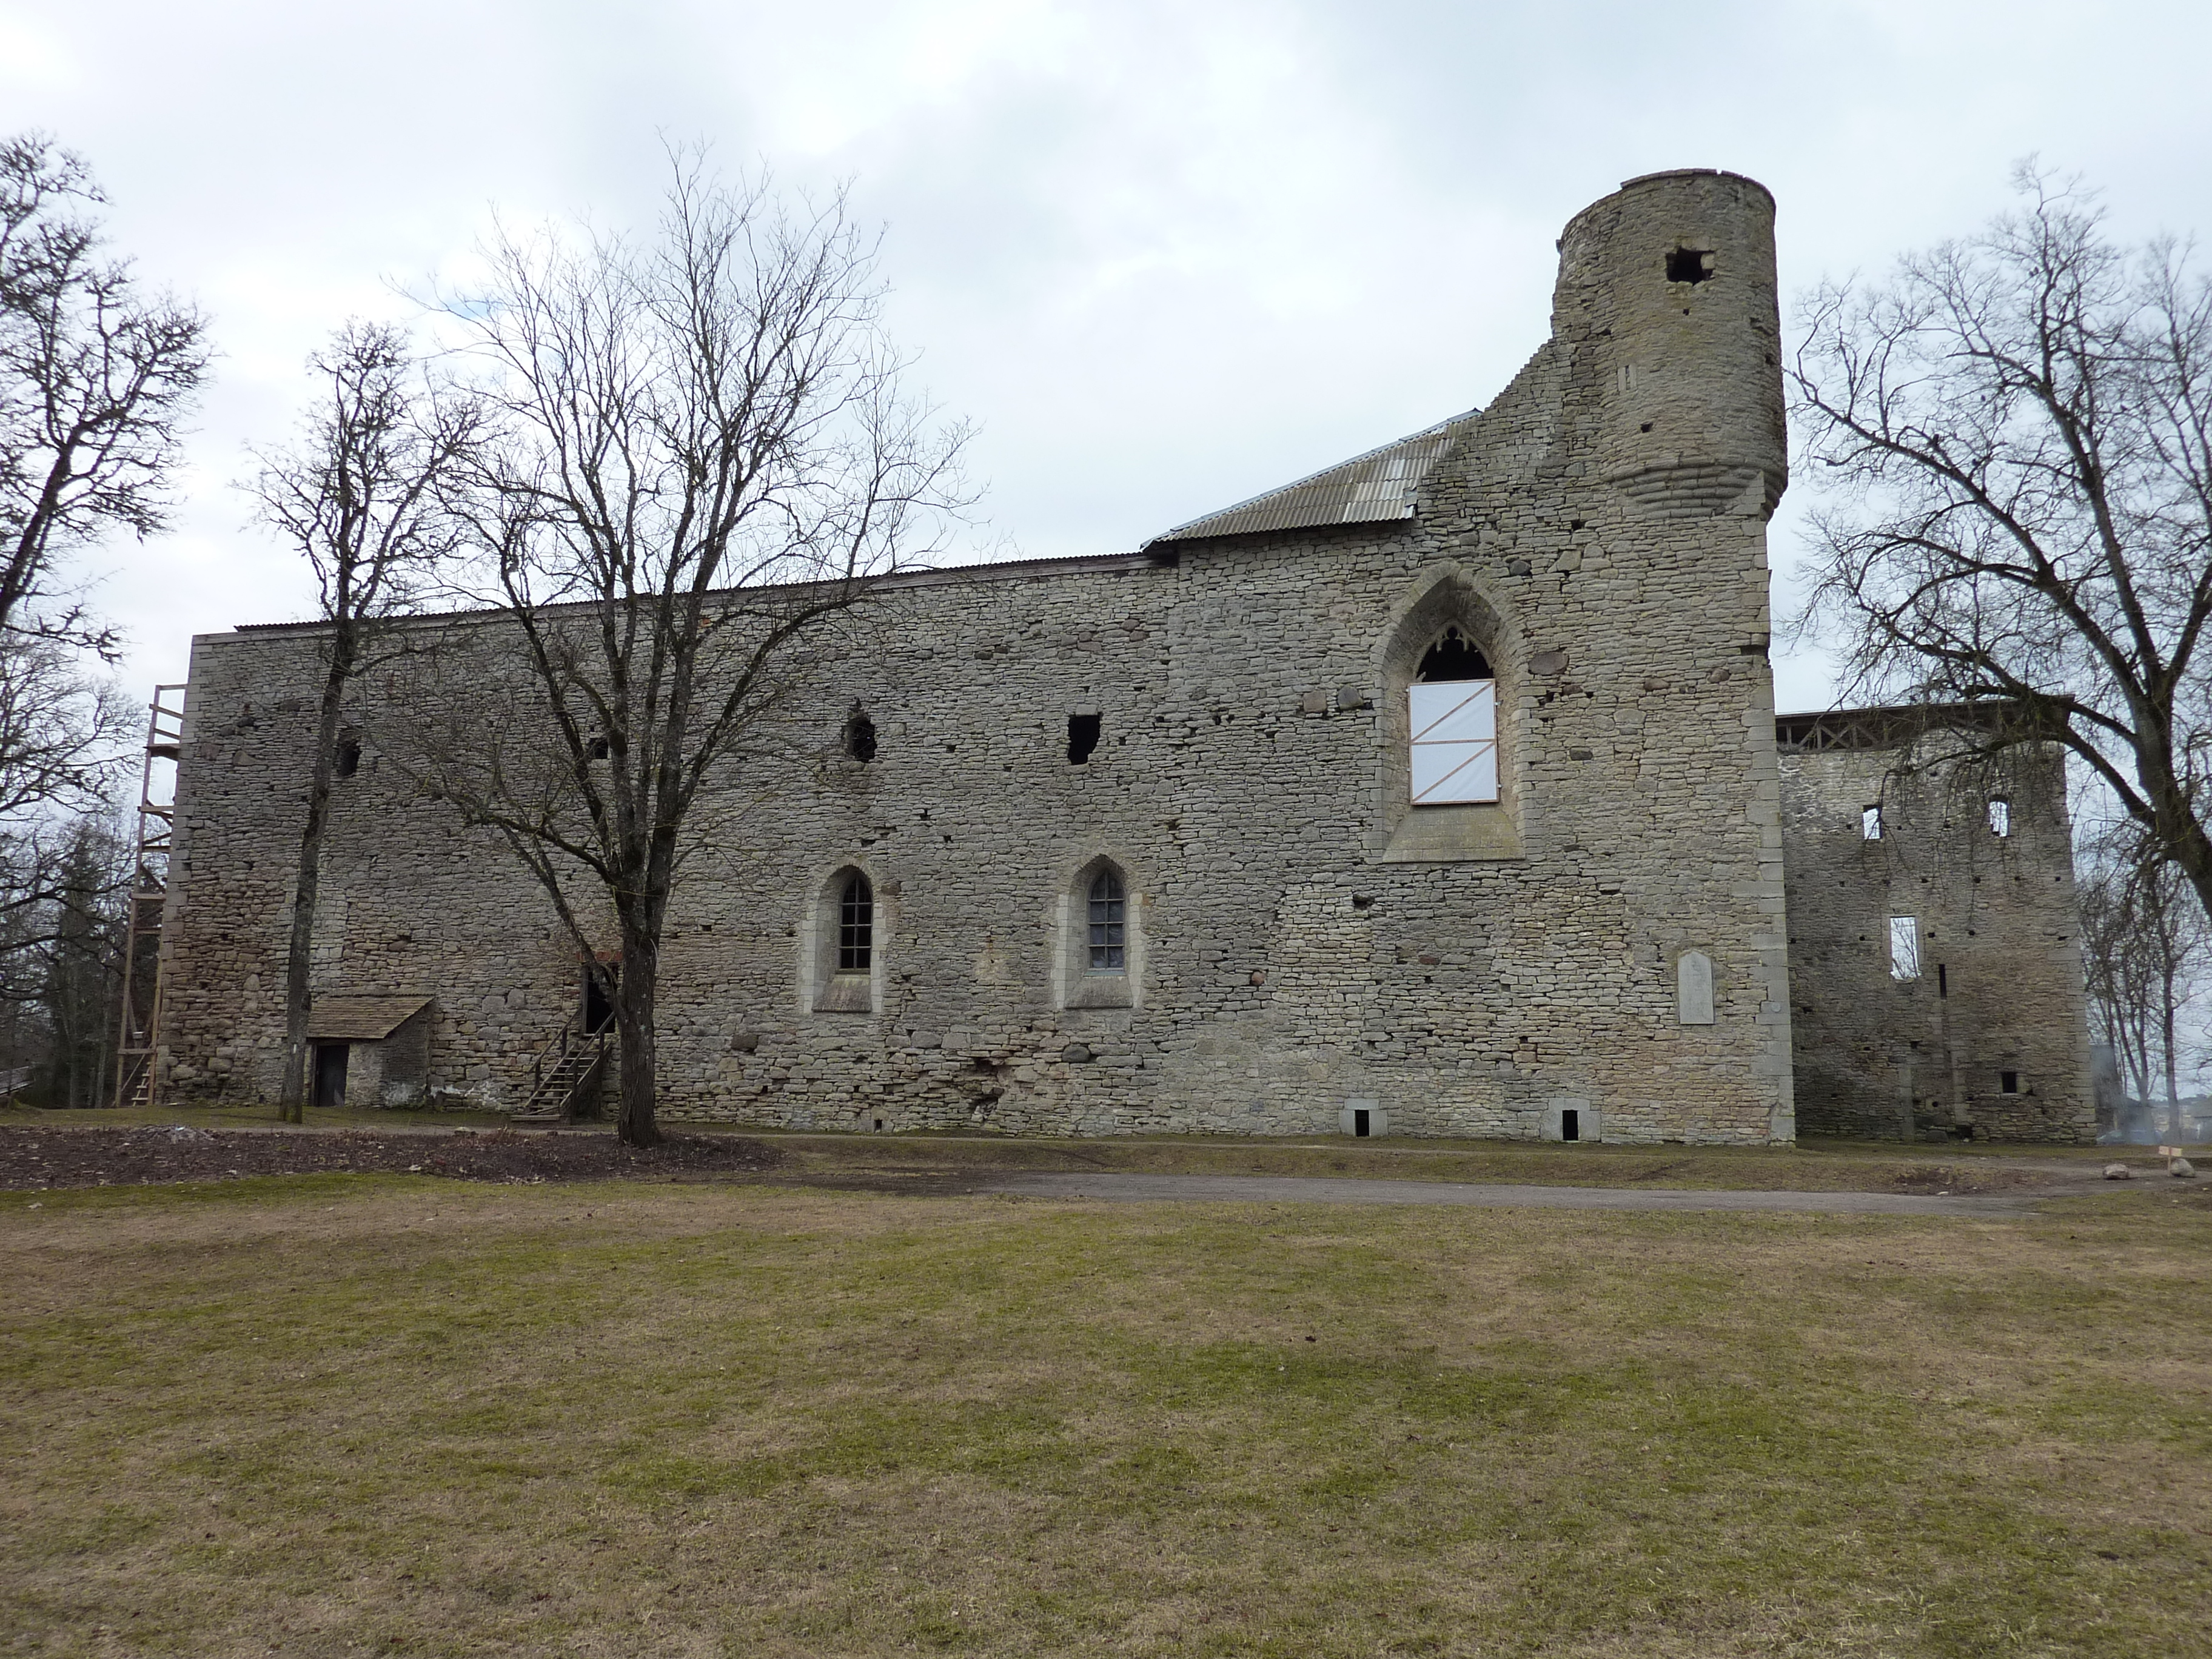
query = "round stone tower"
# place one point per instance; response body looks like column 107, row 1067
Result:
column 1666, row 294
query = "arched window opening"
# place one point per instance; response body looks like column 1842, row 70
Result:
column 1452, row 719
column 860, row 736
column 345, row 758
column 856, row 926
column 1109, row 946
column 1454, row 657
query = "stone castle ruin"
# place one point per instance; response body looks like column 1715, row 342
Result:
column 1439, row 793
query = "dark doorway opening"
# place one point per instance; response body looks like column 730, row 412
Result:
column 599, row 996
column 1571, row 1125
column 1082, row 738
column 328, row 1092
column 1359, row 1120
column 879, row 1123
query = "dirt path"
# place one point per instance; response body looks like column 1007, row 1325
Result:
column 1318, row 1190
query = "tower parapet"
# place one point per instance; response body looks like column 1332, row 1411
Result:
column 1669, row 283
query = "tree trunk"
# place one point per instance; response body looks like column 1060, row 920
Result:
column 2166, row 1038
column 291, row 1100
column 633, row 1017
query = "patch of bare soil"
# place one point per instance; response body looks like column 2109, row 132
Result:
column 34, row 1159
column 1988, row 1176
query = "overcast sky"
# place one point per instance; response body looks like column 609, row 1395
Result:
column 1165, row 255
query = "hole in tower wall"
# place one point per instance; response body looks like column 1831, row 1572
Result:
column 1359, row 1121
column 345, row 759
column 1571, row 1125
column 1689, row 265
column 860, row 738
column 1082, row 738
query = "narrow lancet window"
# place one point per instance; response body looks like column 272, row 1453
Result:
column 1452, row 717
column 2001, row 816
column 856, row 926
column 1870, row 823
column 1109, row 953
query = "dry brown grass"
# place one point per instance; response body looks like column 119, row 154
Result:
column 333, row 1415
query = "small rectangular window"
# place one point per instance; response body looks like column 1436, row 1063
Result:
column 1904, row 947
column 1454, row 741
column 2001, row 816
column 1870, row 823
column 2009, row 1082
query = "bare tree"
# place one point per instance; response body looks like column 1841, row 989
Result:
column 361, row 497
column 2013, row 439
column 96, row 380
column 700, row 458
column 2145, row 944
column 63, row 736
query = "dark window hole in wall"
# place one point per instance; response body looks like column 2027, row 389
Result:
column 1571, row 1125
column 1689, row 265
column 2009, row 1082
column 1942, row 979
column 1359, row 1121
column 598, row 998
column 860, row 738
column 595, row 748
column 1082, row 738
column 345, row 759
column 880, row 1124
column 1453, row 657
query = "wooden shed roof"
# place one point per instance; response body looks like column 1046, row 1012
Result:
column 360, row 1019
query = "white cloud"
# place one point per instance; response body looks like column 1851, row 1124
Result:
column 1166, row 254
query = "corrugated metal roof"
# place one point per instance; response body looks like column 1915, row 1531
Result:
column 360, row 1019
column 1382, row 484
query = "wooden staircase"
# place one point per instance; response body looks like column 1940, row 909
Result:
column 568, row 1078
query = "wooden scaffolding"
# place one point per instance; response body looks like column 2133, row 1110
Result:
column 150, row 892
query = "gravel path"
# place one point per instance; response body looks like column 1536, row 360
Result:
column 1308, row 1189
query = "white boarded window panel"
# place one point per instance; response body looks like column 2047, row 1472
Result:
column 1454, row 726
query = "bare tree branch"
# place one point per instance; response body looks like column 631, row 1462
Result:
column 698, row 457
column 2013, row 439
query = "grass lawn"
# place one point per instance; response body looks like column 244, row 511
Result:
column 345, row 1414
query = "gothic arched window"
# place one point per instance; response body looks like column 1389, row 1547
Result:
column 856, row 926
column 1108, row 906
column 1452, row 722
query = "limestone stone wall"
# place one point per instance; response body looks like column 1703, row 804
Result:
column 1998, row 996
column 1302, row 937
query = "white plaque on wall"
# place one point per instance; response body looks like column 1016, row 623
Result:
column 1693, row 988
